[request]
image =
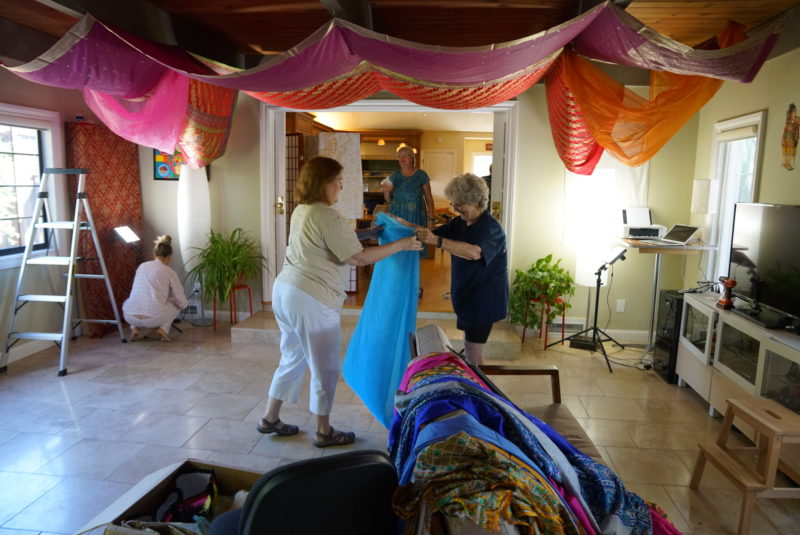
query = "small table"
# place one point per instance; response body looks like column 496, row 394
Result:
column 658, row 250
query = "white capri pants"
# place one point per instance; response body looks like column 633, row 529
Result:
column 310, row 336
column 162, row 320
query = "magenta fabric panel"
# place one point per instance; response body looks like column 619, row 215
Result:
column 156, row 121
column 465, row 66
column 91, row 56
column 617, row 37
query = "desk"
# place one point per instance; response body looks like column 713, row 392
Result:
column 658, row 250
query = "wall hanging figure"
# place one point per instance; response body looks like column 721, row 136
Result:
column 791, row 133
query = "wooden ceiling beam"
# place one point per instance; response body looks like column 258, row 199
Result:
column 358, row 12
column 147, row 21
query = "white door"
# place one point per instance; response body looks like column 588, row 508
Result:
column 273, row 193
column 440, row 166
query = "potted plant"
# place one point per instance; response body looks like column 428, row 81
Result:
column 225, row 261
column 545, row 282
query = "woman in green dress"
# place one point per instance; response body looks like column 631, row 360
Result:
column 408, row 192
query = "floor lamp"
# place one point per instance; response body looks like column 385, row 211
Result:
column 598, row 336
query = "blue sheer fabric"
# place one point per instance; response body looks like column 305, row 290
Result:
column 378, row 352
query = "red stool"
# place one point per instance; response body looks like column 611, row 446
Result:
column 545, row 312
column 232, row 300
column 232, row 303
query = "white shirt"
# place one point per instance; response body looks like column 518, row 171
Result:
column 153, row 286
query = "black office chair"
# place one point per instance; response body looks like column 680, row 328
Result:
column 346, row 494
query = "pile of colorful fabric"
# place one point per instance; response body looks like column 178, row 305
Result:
column 465, row 452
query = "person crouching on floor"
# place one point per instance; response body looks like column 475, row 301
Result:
column 157, row 294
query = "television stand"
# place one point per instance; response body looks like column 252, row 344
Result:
column 765, row 318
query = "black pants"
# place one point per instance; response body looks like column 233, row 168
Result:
column 477, row 334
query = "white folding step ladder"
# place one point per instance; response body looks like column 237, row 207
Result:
column 66, row 301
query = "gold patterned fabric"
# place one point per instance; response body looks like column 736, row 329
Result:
column 469, row 478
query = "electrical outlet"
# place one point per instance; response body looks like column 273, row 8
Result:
column 620, row 305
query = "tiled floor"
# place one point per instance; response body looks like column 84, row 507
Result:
column 71, row 445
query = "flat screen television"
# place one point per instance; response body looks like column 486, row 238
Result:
column 765, row 261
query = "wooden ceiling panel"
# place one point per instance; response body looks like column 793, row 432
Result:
column 251, row 27
column 465, row 26
column 37, row 17
column 693, row 21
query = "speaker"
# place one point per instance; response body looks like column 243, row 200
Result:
column 668, row 325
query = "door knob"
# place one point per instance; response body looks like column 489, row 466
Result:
column 280, row 205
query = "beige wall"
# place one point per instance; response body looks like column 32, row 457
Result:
column 777, row 84
column 234, row 188
column 538, row 213
column 455, row 141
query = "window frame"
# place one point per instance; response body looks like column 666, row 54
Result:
column 38, row 245
column 52, row 155
column 721, row 216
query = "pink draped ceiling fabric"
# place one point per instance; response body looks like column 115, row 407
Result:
column 164, row 97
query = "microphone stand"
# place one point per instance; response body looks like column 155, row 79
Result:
column 598, row 335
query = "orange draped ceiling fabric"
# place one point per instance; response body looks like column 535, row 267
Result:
column 589, row 110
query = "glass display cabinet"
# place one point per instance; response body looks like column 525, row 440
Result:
column 738, row 350
column 781, row 377
column 698, row 328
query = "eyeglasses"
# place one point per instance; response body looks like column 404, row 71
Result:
column 456, row 205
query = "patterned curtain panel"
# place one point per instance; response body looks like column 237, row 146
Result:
column 115, row 199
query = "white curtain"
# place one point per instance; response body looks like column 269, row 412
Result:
column 593, row 211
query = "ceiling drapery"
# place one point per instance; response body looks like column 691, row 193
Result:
column 123, row 76
column 589, row 111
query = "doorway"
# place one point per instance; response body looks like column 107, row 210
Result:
column 273, row 177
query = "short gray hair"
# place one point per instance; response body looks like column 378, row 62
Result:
column 468, row 189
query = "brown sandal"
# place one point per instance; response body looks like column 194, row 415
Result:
column 164, row 336
column 278, row 427
column 334, row 438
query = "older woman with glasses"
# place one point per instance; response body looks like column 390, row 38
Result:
column 479, row 261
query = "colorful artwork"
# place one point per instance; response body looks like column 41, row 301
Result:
column 167, row 166
column 791, row 133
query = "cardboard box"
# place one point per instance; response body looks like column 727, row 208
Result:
column 144, row 497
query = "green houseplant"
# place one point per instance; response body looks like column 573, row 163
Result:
column 224, row 261
column 546, row 282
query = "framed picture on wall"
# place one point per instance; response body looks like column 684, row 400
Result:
column 167, row 166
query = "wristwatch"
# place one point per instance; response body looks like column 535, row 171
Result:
column 439, row 242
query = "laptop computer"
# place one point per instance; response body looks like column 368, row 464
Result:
column 677, row 235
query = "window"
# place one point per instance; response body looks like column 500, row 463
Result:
column 20, row 172
column 481, row 163
column 593, row 207
column 737, row 145
column 30, row 140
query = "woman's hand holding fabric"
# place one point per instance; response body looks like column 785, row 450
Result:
column 410, row 243
column 425, row 235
